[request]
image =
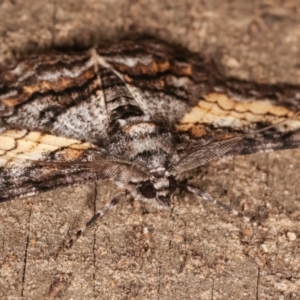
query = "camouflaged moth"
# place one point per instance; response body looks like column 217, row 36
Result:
column 138, row 113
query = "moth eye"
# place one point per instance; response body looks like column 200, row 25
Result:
column 172, row 184
column 147, row 190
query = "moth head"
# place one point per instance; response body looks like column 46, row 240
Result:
column 157, row 190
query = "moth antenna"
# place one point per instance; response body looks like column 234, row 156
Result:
column 270, row 126
column 93, row 165
column 216, row 150
column 100, row 213
column 207, row 197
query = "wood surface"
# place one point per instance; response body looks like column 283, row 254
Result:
column 194, row 250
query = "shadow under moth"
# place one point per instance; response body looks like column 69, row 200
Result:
column 139, row 113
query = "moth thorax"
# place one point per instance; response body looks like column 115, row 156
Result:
column 140, row 129
column 161, row 185
column 159, row 172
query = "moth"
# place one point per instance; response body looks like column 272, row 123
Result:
column 139, row 113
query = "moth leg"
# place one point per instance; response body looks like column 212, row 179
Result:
column 207, row 197
column 100, row 213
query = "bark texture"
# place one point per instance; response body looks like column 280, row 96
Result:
column 194, row 250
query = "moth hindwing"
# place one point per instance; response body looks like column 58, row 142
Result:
column 139, row 113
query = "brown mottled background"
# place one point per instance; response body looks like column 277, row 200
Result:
column 194, row 250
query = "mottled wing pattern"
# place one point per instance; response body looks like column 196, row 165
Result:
column 54, row 93
column 19, row 149
column 50, row 105
column 32, row 162
column 60, row 107
column 189, row 91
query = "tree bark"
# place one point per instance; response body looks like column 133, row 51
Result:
column 193, row 250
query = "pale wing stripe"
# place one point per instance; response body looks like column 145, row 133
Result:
column 220, row 110
column 14, row 146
